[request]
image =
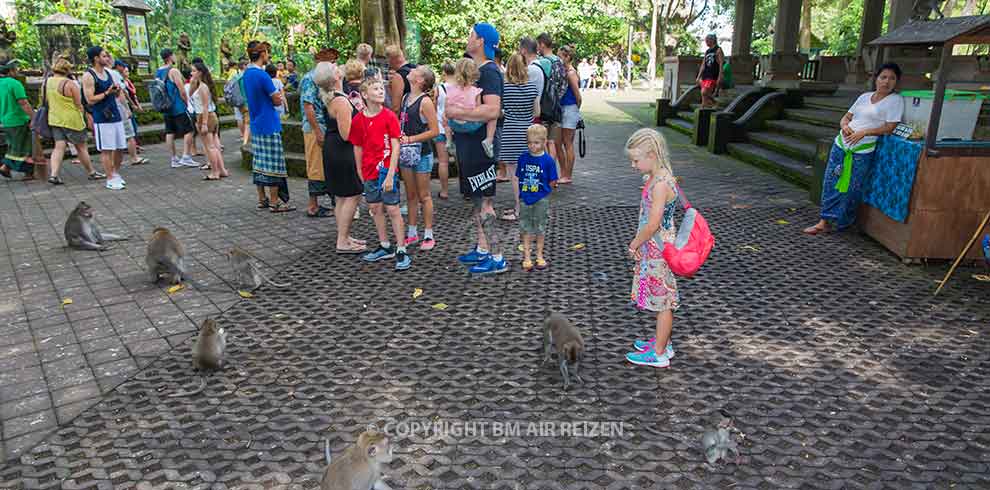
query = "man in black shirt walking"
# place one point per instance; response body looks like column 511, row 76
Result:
column 710, row 74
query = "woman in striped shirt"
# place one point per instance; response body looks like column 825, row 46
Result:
column 519, row 103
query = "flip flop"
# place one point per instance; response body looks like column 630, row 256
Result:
column 282, row 207
column 140, row 161
column 351, row 251
column 509, row 215
column 814, row 230
column 210, row 178
column 321, row 212
column 542, row 265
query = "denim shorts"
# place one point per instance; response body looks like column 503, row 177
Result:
column 374, row 190
column 425, row 165
column 440, row 138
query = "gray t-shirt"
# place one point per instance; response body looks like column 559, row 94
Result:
column 536, row 77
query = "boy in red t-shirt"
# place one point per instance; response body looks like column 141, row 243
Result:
column 375, row 135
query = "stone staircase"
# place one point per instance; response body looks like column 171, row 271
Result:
column 684, row 120
column 788, row 146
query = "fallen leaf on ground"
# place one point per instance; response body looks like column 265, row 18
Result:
column 417, row 293
column 520, row 247
column 982, row 277
column 741, row 206
column 783, row 222
column 577, row 246
column 245, row 294
column 440, row 306
column 751, row 248
column 175, row 289
column 66, row 301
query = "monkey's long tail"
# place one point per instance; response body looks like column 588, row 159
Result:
column 196, row 391
column 326, row 449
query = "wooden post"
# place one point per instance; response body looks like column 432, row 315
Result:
column 940, row 82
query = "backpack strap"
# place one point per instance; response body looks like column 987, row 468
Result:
column 680, row 195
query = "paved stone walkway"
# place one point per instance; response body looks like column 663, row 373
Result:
column 840, row 368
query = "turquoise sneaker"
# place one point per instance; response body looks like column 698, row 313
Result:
column 644, row 345
column 648, row 358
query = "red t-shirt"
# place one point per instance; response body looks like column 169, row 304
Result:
column 374, row 136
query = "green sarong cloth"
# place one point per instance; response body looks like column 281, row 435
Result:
column 19, row 141
column 842, row 185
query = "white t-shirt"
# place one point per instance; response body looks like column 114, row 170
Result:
column 122, row 107
column 612, row 69
column 441, row 104
column 867, row 115
column 585, row 70
column 536, row 77
column 278, row 88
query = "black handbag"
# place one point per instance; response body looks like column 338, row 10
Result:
column 39, row 122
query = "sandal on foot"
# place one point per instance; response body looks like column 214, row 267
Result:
column 815, row 230
column 542, row 265
column 96, row 176
column 352, row 250
column 140, row 161
column 264, row 204
column 527, row 265
column 442, row 196
column 55, row 180
column 321, row 212
column 509, row 215
column 207, row 177
column 282, row 207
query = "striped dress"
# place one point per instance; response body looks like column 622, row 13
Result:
column 517, row 104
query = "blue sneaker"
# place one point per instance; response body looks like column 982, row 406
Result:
column 490, row 266
column 648, row 358
column 381, row 253
column 644, row 345
column 473, row 257
column 402, row 261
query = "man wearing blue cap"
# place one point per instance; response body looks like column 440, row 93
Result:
column 478, row 170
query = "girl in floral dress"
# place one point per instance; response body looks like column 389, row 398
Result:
column 654, row 287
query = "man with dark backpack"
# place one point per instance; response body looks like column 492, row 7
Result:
column 398, row 83
column 556, row 85
column 169, row 87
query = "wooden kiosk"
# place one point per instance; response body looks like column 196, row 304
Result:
column 950, row 194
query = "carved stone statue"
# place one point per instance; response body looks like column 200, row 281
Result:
column 226, row 55
column 182, row 52
column 923, row 9
column 7, row 38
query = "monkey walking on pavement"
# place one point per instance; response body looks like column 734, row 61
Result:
column 567, row 342
column 246, row 270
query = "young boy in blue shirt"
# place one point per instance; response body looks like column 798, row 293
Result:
column 537, row 172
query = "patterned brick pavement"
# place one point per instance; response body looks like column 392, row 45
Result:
column 840, row 368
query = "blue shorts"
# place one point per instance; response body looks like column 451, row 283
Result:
column 440, row 138
column 424, row 166
column 374, row 191
column 465, row 126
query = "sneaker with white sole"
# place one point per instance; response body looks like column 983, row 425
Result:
column 188, row 162
column 175, row 163
column 402, row 261
column 412, row 240
column 381, row 253
column 490, row 266
column 114, row 185
column 649, row 358
column 473, row 257
column 645, row 345
column 428, row 244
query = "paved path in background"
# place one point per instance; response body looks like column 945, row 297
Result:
column 839, row 367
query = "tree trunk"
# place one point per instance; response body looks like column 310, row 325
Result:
column 652, row 67
column 804, row 35
column 380, row 23
column 969, row 8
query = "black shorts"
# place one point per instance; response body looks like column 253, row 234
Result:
column 477, row 171
column 179, row 124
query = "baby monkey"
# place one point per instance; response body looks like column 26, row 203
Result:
column 207, row 353
column 165, row 256
column 360, row 467
column 568, row 343
column 247, row 272
column 719, row 444
column 83, row 233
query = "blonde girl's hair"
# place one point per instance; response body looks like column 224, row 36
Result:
column 466, row 72
column 515, row 70
column 367, row 84
column 429, row 79
column 649, row 141
column 353, row 70
column 536, row 132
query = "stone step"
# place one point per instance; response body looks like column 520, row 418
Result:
column 820, row 117
column 796, row 148
column 802, row 130
column 786, row 167
column 839, row 102
column 681, row 125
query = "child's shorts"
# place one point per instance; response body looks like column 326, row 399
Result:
column 533, row 218
column 425, row 164
column 374, row 190
column 465, row 126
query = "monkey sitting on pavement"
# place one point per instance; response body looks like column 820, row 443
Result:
column 83, row 233
column 567, row 342
column 247, row 272
column 165, row 256
column 360, row 467
column 207, row 353
column 719, row 444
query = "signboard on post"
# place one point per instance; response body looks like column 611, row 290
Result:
column 137, row 38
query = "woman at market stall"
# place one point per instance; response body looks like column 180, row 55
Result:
column 851, row 159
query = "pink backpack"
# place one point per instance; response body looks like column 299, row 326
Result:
column 693, row 244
